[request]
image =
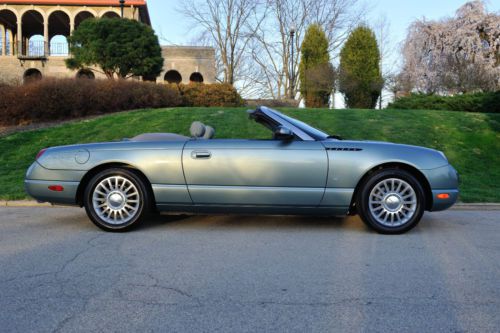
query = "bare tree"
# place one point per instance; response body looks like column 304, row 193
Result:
column 271, row 47
column 229, row 25
column 382, row 30
column 459, row 54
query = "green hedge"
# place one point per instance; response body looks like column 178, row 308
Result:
column 478, row 102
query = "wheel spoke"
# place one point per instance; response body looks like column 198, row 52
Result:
column 116, row 200
column 392, row 202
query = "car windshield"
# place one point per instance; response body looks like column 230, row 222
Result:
column 309, row 130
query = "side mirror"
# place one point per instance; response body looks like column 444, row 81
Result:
column 283, row 133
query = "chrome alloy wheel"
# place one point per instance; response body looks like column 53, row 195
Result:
column 392, row 202
column 116, row 200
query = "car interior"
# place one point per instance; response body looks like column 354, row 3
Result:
column 198, row 130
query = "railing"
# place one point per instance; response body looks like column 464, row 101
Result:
column 32, row 50
column 59, row 49
column 41, row 50
column 8, row 48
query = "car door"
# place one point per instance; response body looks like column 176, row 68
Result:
column 255, row 172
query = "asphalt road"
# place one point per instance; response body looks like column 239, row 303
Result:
column 248, row 274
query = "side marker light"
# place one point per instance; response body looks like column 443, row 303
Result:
column 56, row 188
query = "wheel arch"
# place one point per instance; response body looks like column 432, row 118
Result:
column 397, row 165
column 101, row 167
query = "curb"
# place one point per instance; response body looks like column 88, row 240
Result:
column 476, row 206
column 24, row 203
column 32, row 203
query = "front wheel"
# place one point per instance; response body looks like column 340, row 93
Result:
column 116, row 199
column 391, row 201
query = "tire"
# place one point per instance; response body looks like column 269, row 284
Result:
column 116, row 200
column 391, row 201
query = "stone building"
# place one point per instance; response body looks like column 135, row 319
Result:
column 33, row 40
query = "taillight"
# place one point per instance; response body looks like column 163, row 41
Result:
column 40, row 153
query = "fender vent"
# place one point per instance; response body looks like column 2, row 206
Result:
column 344, row 149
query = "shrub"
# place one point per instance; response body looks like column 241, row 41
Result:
column 317, row 76
column 57, row 99
column 272, row 103
column 360, row 78
column 478, row 102
column 217, row 94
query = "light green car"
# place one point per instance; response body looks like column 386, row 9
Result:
column 299, row 170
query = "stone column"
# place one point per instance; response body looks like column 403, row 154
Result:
column 71, row 24
column 4, row 46
column 11, row 42
column 46, row 35
column 19, row 46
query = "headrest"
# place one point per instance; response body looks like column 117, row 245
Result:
column 197, row 129
column 209, row 132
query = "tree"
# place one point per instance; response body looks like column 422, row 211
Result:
column 230, row 25
column 454, row 55
column 271, row 45
column 382, row 27
column 360, row 79
column 316, row 72
column 119, row 47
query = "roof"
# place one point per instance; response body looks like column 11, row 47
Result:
column 141, row 4
column 75, row 2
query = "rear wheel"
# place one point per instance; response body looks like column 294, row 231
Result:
column 116, row 199
column 391, row 201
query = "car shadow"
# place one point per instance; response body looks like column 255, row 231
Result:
column 239, row 222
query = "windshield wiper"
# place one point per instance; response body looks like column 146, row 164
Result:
column 337, row 137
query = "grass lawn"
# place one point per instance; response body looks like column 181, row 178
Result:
column 470, row 141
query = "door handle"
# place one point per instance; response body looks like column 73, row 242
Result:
column 201, row 154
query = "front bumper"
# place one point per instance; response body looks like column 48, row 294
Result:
column 444, row 186
column 442, row 204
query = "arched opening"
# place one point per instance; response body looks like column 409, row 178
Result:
column 173, row 76
column 110, row 15
column 59, row 30
column 32, row 75
column 196, row 77
column 59, row 46
column 32, row 29
column 35, row 46
column 9, row 21
column 85, row 74
column 82, row 16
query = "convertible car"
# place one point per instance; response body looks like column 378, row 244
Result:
column 298, row 170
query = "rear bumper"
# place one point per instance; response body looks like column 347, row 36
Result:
column 38, row 179
column 39, row 189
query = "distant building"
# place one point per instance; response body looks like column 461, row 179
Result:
column 33, row 40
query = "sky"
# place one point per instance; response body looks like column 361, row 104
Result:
column 173, row 28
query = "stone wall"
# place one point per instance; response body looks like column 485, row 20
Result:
column 188, row 60
column 184, row 60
